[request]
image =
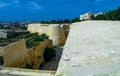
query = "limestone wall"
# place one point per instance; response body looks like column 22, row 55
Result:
column 14, row 51
column 1, row 51
column 17, row 55
column 53, row 30
column 35, row 54
column 66, row 29
column 92, row 49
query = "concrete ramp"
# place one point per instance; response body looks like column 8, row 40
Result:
column 92, row 49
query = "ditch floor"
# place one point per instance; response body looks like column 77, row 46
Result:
column 53, row 64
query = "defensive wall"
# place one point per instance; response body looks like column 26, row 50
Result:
column 17, row 55
column 54, row 31
column 92, row 49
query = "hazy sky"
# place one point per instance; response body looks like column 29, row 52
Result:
column 52, row 9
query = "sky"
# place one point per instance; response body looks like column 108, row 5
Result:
column 15, row 10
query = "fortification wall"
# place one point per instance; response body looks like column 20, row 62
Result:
column 92, row 49
column 17, row 55
column 64, row 33
column 53, row 30
column 63, row 36
column 1, row 51
column 14, row 51
column 36, row 53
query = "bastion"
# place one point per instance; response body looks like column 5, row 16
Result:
column 92, row 49
column 17, row 55
column 52, row 30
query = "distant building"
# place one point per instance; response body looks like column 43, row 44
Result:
column 87, row 16
column 101, row 13
column 11, row 33
column 3, row 33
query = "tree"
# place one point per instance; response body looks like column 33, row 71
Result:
column 110, row 15
column 49, row 53
column 75, row 20
column 53, row 22
column 66, row 21
column 100, row 17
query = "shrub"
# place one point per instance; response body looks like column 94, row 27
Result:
column 35, row 39
column 49, row 53
column 29, row 66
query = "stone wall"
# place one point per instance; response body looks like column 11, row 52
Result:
column 36, row 53
column 52, row 30
column 17, row 55
column 92, row 49
column 14, row 51
column 64, row 33
column 1, row 51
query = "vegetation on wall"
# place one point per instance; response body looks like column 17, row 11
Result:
column 35, row 39
column 29, row 66
column 32, row 39
column 15, row 34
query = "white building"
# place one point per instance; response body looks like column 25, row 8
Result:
column 87, row 16
column 3, row 33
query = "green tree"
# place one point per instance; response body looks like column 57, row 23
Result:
column 66, row 21
column 110, row 15
column 100, row 17
column 75, row 20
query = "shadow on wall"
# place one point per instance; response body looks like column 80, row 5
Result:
column 1, row 61
column 64, row 33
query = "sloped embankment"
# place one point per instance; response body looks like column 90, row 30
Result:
column 92, row 49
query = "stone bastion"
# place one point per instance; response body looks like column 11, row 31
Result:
column 92, row 49
column 17, row 55
column 52, row 30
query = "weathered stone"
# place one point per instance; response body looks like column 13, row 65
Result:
column 92, row 49
column 52, row 30
column 17, row 55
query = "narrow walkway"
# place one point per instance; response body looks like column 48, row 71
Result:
column 53, row 64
